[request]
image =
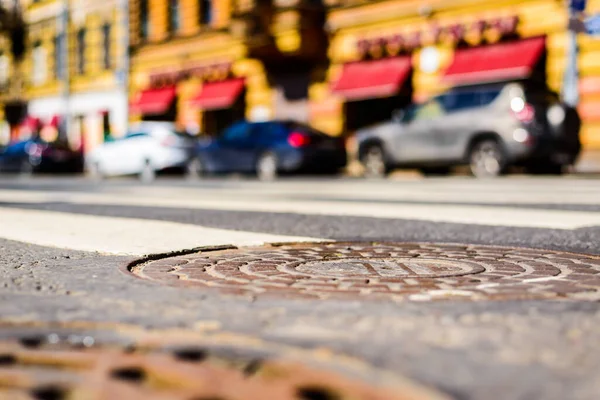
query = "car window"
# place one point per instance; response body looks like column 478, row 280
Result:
column 182, row 134
column 297, row 126
column 236, row 132
column 542, row 97
column 488, row 96
column 457, row 101
column 431, row 109
column 260, row 131
column 133, row 135
column 266, row 132
column 275, row 131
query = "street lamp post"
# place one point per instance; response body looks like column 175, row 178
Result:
column 63, row 27
column 123, row 72
column 571, row 77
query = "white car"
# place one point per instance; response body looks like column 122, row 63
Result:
column 148, row 147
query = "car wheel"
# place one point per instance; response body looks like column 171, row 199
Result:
column 486, row 159
column 373, row 160
column 266, row 167
column 195, row 168
column 95, row 171
column 148, row 173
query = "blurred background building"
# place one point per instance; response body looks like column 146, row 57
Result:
column 92, row 66
column 206, row 63
column 420, row 48
column 12, row 50
column 72, row 69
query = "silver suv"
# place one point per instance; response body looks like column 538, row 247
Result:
column 488, row 128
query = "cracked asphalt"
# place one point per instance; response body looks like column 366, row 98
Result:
column 513, row 349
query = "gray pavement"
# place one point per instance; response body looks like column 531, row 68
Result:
column 471, row 350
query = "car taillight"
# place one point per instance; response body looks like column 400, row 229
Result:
column 297, row 139
column 523, row 111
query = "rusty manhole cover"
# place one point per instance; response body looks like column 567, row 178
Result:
column 398, row 271
column 60, row 366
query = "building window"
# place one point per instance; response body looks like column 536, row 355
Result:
column 144, row 20
column 106, row 56
column 106, row 125
column 39, row 63
column 205, row 12
column 58, row 56
column 174, row 15
column 81, row 51
column 3, row 69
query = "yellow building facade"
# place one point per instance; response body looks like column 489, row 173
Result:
column 72, row 67
column 429, row 34
column 215, row 61
column 6, row 95
column 11, row 105
column 204, row 63
column 179, row 53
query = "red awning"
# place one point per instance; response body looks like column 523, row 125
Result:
column 372, row 79
column 496, row 62
column 218, row 95
column 54, row 121
column 32, row 123
column 153, row 101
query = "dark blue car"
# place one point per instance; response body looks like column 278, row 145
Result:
column 268, row 149
column 36, row 155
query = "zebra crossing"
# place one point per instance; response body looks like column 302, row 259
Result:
column 545, row 203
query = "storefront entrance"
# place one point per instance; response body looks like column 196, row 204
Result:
column 170, row 114
column 373, row 89
column 221, row 104
column 215, row 121
column 15, row 113
column 362, row 113
column 159, row 104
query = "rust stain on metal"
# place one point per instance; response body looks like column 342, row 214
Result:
column 396, row 271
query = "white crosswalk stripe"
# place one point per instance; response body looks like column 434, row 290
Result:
column 289, row 202
column 493, row 203
column 125, row 236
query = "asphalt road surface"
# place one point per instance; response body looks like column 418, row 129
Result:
column 66, row 244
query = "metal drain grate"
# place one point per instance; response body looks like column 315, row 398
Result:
column 76, row 367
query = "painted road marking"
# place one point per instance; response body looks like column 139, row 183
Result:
column 126, row 236
column 476, row 215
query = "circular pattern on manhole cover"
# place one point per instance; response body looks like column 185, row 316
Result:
column 399, row 271
column 51, row 366
column 387, row 268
